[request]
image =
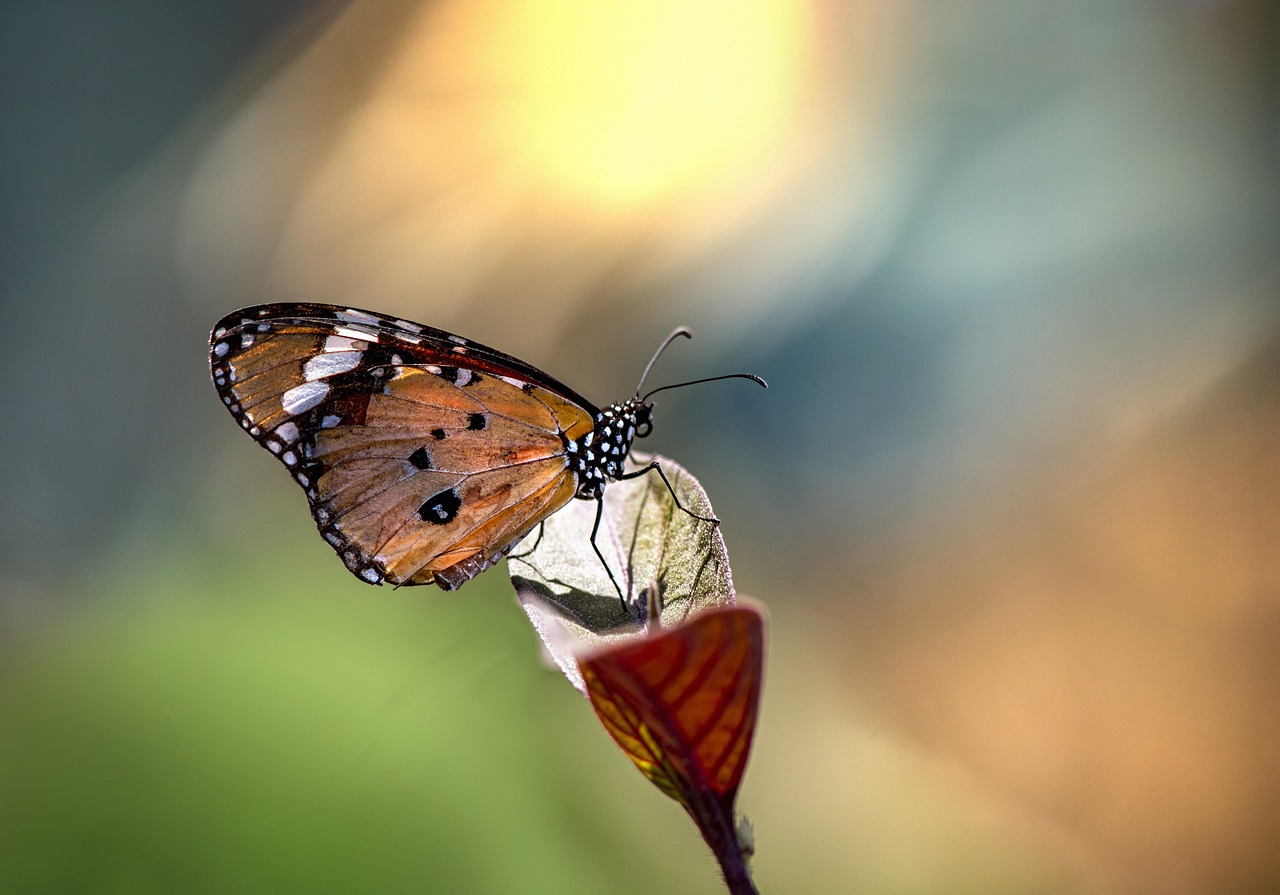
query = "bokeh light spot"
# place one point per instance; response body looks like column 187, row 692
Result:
column 628, row 103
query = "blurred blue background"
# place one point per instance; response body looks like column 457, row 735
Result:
column 1012, row 497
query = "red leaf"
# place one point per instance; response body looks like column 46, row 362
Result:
column 682, row 705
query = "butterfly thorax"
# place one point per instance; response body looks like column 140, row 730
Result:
column 596, row 458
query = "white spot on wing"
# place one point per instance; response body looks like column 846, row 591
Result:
column 289, row 458
column 510, row 380
column 351, row 315
column 409, row 325
column 330, row 421
column 338, row 343
column 323, row 365
column 288, row 432
column 302, row 398
column 464, row 376
column 458, row 339
column 246, row 340
column 371, row 575
column 221, row 349
column 357, row 332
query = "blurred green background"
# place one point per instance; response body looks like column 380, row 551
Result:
column 1012, row 497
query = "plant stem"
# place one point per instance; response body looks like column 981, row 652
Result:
column 736, row 875
column 714, row 817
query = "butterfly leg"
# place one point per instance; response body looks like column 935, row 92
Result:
column 595, row 528
column 656, row 467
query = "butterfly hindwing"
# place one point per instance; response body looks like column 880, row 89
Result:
column 424, row 456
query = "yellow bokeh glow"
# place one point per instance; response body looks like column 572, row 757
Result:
column 626, row 104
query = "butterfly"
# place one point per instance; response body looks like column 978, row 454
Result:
column 425, row 457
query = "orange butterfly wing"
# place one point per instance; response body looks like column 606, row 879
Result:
column 425, row 457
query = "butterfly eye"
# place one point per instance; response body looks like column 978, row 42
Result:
column 644, row 421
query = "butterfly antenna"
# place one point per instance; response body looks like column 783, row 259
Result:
column 752, row 376
column 679, row 331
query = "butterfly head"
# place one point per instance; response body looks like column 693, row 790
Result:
column 598, row 456
column 621, row 424
column 643, row 417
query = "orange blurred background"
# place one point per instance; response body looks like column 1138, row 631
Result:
column 1012, row 498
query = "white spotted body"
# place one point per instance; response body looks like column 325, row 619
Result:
column 597, row 457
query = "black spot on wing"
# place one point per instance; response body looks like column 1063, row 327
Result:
column 437, row 434
column 441, row 508
column 477, row 422
column 420, row 458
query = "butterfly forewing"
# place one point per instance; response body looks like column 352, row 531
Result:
column 424, row 456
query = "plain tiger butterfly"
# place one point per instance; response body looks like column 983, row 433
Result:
column 425, row 456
